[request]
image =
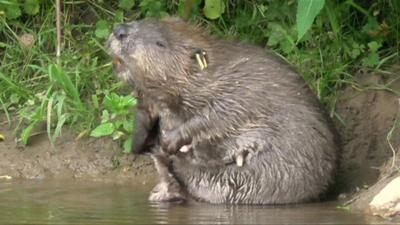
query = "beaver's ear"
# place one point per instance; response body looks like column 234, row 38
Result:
column 200, row 57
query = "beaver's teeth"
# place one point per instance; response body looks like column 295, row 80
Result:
column 239, row 160
column 185, row 148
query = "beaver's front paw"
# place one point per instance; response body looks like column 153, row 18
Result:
column 172, row 141
column 167, row 192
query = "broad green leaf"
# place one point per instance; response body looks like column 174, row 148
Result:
column 119, row 104
column 13, row 12
column 371, row 60
column 354, row 53
column 129, row 101
column 356, row 50
column 213, row 9
column 126, row 4
column 102, row 29
column 374, row 46
column 103, row 130
column 31, row 7
column 117, row 124
column 307, row 10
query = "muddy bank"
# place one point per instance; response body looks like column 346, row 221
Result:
column 370, row 155
column 68, row 158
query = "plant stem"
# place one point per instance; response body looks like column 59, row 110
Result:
column 58, row 25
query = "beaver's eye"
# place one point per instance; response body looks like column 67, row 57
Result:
column 160, row 44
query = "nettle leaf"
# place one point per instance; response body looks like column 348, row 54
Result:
column 102, row 29
column 371, row 60
column 374, row 46
column 129, row 101
column 13, row 12
column 213, row 9
column 31, row 7
column 354, row 53
column 103, row 130
column 119, row 104
column 307, row 10
column 356, row 50
column 126, row 4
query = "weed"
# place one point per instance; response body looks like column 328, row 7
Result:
column 117, row 119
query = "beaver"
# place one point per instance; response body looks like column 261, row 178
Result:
column 226, row 99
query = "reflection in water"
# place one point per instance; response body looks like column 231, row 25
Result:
column 95, row 202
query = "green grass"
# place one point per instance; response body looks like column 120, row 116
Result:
column 35, row 90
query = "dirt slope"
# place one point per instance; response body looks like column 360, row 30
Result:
column 369, row 115
column 69, row 158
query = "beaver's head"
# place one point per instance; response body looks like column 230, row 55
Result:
column 153, row 54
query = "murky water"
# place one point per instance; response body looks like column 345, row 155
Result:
column 99, row 202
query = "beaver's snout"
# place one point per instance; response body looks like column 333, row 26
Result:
column 121, row 32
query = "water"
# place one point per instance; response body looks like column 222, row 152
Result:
column 99, row 202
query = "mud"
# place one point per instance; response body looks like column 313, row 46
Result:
column 69, row 158
column 369, row 109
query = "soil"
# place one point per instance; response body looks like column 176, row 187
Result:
column 69, row 158
column 367, row 114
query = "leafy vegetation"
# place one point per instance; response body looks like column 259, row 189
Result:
column 328, row 41
column 117, row 119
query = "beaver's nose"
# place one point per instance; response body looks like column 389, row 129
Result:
column 121, row 32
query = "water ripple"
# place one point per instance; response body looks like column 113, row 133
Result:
column 94, row 202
